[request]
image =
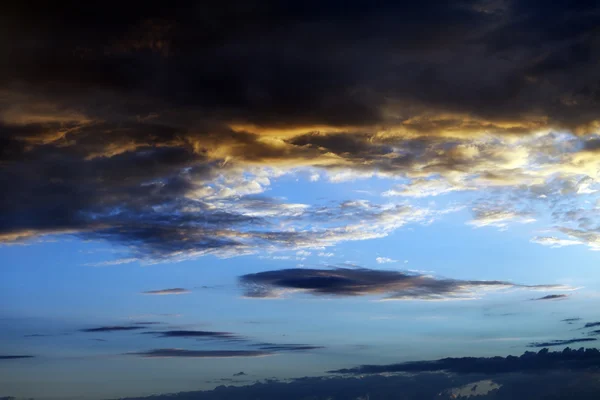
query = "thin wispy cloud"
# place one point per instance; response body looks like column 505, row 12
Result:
column 553, row 297
column 114, row 328
column 561, row 342
column 182, row 353
column 14, row 357
column 161, row 292
column 193, row 334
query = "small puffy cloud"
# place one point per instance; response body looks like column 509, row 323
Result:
column 385, row 260
column 393, row 285
column 161, row 292
column 325, row 254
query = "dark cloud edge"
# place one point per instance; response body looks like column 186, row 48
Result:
column 544, row 360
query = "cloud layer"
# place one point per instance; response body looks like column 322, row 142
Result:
column 528, row 362
column 159, row 130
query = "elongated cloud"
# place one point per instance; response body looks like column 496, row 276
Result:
column 173, row 353
column 561, row 342
column 194, row 334
column 553, row 297
column 167, row 291
column 13, row 357
column 115, row 328
column 394, row 285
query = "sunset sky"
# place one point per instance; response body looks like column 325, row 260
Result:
column 236, row 191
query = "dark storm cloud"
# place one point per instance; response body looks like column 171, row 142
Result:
column 553, row 297
column 560, row 342
column 112, row 123
column 528, row 362
column 241, row 373
column 168, row 353
column 13, row 357
column 591, row 324
column 445, row 55
column 361, row 281
column 112, row 329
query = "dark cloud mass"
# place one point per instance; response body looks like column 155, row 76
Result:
column 136, row 127
column 528, row 362
column 396, row 285
column 591, row 324
column 570, row 374
column 560, row 342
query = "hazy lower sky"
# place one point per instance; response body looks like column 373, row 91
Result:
column 274, row 190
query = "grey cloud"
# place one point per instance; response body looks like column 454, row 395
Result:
column 241, row 373
column 193, row 334
column 560, row 342
column 170, row 353
column 167, row 291
column 115, row 328
column 552, row 297
column 13, row 357
column 361, row 281
column 287, row 347
column 528, row 362
column 112, row 126
column 591, row 324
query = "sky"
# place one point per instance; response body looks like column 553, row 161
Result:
column 247, row 193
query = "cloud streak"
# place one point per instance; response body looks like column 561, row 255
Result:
column 167, row 291
column 560, row 342
column 115, row 328
column 552, row 297
column 182, row 353
column 14, row 357
column 393, row 285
